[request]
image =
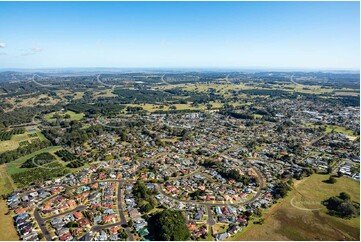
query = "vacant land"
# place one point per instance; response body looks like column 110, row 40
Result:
column 16, row 140
column 6, row 183
column 292, row 219
column 347, row 93
column 104, row 93
column 73, row 115
column 14, row 166
column 7, row 229
column 29, row 101
column 338, row 129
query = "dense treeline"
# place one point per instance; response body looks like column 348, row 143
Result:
column 65, row 155
column 229, row 173
column 234, row 174
column 38, row 160
column 38, row 175
column 74, row 134
column 238, row 115
column 144, row 197
column 24, row 114
column 169, row 225
column 281, row 190
column 8, row 134
column 22, row 151
column 342, row 206
column 142, row 96
column 75, row 164
column 350, row 101
column 100, row 108
column 265, row 92
column 176, row 111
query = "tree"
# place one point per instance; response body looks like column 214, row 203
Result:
column 332, row 180
column 281, row 190
column 145, row 208
column 345, row 196
column 329, row 170
column 123, row 235
column 40, row 236
column 341, row 206
column 169, row 225
column 130, row 223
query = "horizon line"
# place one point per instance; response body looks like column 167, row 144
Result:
column 303, row 69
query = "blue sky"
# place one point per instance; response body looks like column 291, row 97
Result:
column 315, row 35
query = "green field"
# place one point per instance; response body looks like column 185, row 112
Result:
column 14, row 166
column 7, row 229
column 15, row 140
column 338, row 129
column 152, row 107
column 329, row 128
column 288, row 219
column 6, row 183
column 73, row 115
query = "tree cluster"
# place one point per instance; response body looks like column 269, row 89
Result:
column 342, row 206
column 169, row 225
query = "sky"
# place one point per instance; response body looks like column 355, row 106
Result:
column 289, row 35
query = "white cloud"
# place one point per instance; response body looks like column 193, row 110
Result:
column 36, row 49
column 31, row 51
column 2, row 45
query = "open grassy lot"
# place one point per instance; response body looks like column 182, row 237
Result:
column 338, row 129
column 62, row 94
column 153, row 107
column 14, row 166
column 28, row 101
column 15, row 140
column 104, row 93
column 6, row 183
column 305, row 88
column 223, row 88
column 206, row 87
column 219, row 228
column 343, row 93
column 329, row 128
column 7, row 229
column 73, row 115
column 291, row 219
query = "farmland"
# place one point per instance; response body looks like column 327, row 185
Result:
column 19, row 139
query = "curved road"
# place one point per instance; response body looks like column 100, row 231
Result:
column 123, row 222
column 41, row 221
column 258, row 193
